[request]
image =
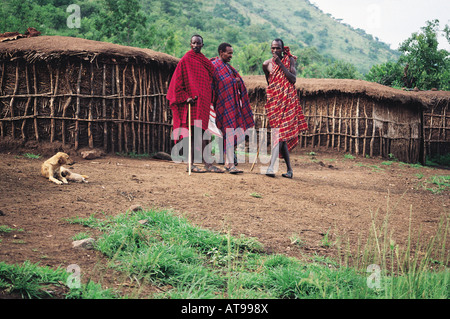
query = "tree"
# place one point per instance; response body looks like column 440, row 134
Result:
column 342, row 70
column 120, row 20
column 310, row 63
column 422, row 64
column 389, row 73
column 425, row 65
column 249, row 59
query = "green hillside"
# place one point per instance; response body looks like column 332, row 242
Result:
column 301, row 23
column 322, row 43
column 251, row 22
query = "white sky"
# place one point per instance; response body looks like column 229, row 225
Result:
column 391, row 21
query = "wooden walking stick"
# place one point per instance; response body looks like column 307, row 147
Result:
column 256, row 158
column 190, row 139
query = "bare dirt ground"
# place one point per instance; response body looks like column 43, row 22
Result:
column 328, row 194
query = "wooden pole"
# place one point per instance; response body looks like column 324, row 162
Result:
column 141, row 138
column 119, row 108
column 372, row 139
column 190, row 139
column 52, row 101
column 133, row 128
column 77, row 128
column 105, row 124
column 65, row 106
column 125, row 110
column 90, row 134
column 27, row 80
column 35, row 107
column 11, row 104
column 1, row 92
column 256, row 158
column 357, row 128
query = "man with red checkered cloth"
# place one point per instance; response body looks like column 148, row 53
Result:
column 232, row 105
column 283, row 105
column 192, row 82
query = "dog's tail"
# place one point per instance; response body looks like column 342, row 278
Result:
column 84, row 176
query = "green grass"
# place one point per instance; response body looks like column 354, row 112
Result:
column 5, row 229
column 31, row 281
column 349, row 156
column 31, row 156
column 437, row 184
column 168, row 250
column 133, row 155
column 160, row 248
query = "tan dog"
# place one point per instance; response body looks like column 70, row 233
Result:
column 51, row 168
column 72, row 176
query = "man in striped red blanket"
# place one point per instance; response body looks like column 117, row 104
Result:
column 233, row 113
column 283, row 106
column 192, row 82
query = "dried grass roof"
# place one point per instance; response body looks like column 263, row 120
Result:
column 373, row 90
column 48, row 48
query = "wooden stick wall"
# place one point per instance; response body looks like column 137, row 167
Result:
column 356, row 124
column 123, row 108
column 117, row 107
column 437, row 128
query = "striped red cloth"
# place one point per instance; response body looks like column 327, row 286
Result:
column 283, row 105
column 232, row 104
column 193, row 76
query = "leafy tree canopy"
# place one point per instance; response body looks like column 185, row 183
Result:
column 422, row 64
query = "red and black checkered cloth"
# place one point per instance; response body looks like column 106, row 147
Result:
column 193, row 76
column 232, row 104
column 283, row 105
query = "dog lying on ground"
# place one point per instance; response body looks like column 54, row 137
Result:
column 72, row 176
column 51, row 168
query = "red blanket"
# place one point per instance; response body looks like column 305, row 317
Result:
column 283, row 105
column 232, row 104
column 192, row 77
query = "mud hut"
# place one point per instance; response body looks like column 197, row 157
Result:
column 436, row 122
column 85, row 93
column 360, row 117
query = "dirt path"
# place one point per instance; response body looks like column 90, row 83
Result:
column 328, row 193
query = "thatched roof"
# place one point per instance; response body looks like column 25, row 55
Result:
column 48, row 48
column 54, row 48
column 373, row 90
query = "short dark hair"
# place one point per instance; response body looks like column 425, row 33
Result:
column 197, row 35
column 279, row 40
column 223, row 47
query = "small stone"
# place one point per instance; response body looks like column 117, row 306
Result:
column 91, row 154
column 135, row 208
column 163, row 156
column 87, row 243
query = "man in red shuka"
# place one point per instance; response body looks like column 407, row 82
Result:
column 283, row 106
column 192, row 83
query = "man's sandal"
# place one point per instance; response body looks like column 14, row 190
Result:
column 289, row 174
column 196, row 169
column 233, row 170
column 270, row 173
column 213, row 169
